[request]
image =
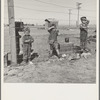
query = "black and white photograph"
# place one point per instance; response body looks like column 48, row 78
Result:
column 50, row 41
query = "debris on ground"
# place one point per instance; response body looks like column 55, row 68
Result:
column 86, row 55
column 64, row 55
column 91, row 38
column 72, row 67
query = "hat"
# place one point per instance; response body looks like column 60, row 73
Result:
column 52, row 27
column 47, row 20
column 27, row 29
column 83, row 18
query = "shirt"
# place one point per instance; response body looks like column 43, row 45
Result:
column 53, row 34
column 84, row 26
column 27, row 39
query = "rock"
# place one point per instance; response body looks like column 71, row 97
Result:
column 30, row 68
column 85, row 55
column 20, row 74
column 61, row 59
column 27, row 75
column 12, row 72
column 77, row 55
column 64, row 55
column 70, row 58
column 89, row 54
column 48, row 62
column 6, row 70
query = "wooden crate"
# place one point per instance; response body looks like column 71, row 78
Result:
column 65, row 47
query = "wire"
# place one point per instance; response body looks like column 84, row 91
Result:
column 54, row 4
column 40, row 10
column 47, row 11
column 61, row 5
column 88, row 10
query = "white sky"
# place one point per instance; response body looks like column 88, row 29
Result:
column 88, row 9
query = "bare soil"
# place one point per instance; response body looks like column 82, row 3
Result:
column 52, row 70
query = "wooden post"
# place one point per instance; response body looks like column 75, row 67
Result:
column 12, row 31
column 69, row 17
column 78, row 8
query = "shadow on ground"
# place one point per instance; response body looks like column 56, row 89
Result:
column 20, row 58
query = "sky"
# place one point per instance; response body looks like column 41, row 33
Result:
column 35, row 11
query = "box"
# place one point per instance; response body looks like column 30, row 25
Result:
column 66, row 47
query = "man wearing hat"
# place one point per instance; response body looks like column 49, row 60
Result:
column 53, row 40
column 83, row 32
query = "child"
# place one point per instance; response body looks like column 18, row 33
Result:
column 27, row 44
column 53, row 40
column 83, row 32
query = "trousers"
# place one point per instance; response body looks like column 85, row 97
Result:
column 26, row 52
column 83, row 39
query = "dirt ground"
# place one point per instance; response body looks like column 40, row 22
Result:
column 52, row 70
